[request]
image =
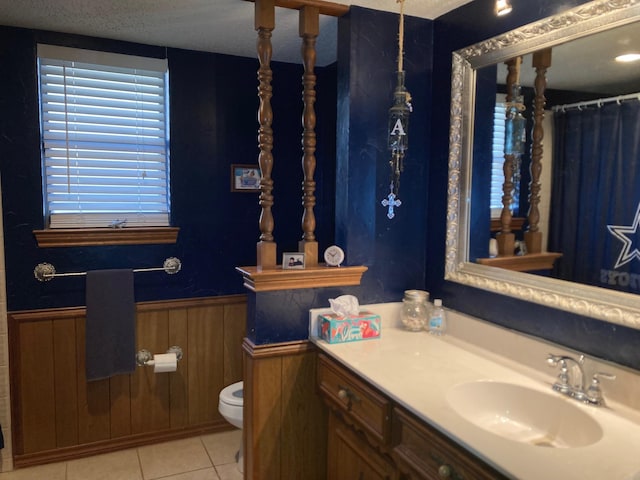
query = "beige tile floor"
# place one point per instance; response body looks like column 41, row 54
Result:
column 208, row 457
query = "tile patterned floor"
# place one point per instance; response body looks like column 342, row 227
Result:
column 208, row 457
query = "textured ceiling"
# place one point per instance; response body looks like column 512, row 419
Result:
column 226, row 26
column 588, row 64
column 222, row 26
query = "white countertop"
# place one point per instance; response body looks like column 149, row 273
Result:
column 417, row 369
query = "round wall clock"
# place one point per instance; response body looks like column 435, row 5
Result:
column 333, row 256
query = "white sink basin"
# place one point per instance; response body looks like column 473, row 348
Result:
column 524, row 415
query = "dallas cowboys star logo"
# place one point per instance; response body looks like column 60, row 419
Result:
column 626, row 235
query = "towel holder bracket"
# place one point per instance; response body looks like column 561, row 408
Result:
column 172, row 265
column 44, row 272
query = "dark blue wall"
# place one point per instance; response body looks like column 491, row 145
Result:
column 464, row 26
column 213, row 124
column 393, row 250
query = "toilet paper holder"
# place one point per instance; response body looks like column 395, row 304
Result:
column 145, row 358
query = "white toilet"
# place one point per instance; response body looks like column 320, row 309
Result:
column 230, row 407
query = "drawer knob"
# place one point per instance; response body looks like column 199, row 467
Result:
column 345, row 393
column 444, row 471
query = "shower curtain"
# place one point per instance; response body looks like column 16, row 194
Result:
column 595, row 202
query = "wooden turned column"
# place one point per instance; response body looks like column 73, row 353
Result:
column 309, row 28
column 264, row 24
column 533, row 237
column 505, row 238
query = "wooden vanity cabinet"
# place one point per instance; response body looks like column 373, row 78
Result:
column 371, row 438
column 351, row 457
column 357, row 403
column 421, row 452
column 359, row 433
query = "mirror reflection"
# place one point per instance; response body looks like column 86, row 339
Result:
column 562, row 160
column 587, row 211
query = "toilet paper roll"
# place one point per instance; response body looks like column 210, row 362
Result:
column 165, row 362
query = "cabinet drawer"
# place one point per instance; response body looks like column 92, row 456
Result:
column 361, row 405
column 421, row 452
column 349, row 456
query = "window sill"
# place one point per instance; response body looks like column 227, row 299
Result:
column 84, row 237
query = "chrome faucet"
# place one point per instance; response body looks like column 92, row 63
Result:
column 576, row 387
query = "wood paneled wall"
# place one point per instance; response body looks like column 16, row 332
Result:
column 57, row 414
column 285, row 422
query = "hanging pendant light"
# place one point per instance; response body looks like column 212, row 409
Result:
column 398, row 130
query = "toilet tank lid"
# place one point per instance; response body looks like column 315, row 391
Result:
column 232, row 394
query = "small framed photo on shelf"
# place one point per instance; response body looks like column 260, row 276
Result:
column 294, row 260
column 245, row 178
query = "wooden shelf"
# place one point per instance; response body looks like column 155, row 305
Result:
column 82, row 237
column 523, row 263
column 265, row 280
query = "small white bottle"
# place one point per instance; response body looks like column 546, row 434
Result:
column 437, row 324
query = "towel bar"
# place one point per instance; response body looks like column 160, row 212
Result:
column 45, row 271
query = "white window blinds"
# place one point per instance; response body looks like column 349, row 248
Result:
column 104, row 125
column 497, row 173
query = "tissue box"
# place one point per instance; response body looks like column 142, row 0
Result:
column 350, row 328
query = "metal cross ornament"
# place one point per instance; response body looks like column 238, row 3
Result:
column 391, row 202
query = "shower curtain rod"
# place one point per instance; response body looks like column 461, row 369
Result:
column 599, row 102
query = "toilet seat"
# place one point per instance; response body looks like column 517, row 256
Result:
column 233, row 394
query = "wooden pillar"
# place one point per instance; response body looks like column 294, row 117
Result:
column 505, row 238
column 264, row 24
column 533, row 237
column 309, row 28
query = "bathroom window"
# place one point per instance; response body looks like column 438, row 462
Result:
column 105, row 139
column 497, row 163
column 497, row 174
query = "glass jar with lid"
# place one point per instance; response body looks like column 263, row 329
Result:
column 415, row 310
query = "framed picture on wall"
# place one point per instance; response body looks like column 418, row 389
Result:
column 293, row 260
column 245, row 178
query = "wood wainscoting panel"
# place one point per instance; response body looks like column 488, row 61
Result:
column 206, row 375
column 94, row 422
column 93, row 415
column 234, row 331
column 285, row 422
column 58, row 415
column 178, row 386
column 120, row 399
column 150, row 391
column 66, row 381
column 37, row 384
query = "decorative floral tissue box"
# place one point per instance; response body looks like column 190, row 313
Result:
column 349, row 328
